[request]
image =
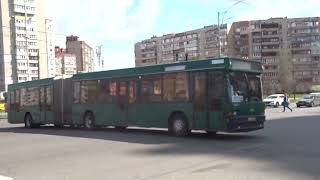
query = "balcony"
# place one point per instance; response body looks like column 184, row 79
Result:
column 270, row 43
column 269, row 50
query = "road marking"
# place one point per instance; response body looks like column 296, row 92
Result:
column 5, row 178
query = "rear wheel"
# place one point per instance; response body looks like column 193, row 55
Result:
column 277, row 105
column 88, row 121
column 312, row 104
column 179, row 126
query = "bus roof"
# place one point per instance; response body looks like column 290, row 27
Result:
column 28, row 84
column 225, row 63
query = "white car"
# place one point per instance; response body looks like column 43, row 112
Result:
column 274, row 100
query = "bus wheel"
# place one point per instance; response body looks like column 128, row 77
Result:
column 88, row 121
column 121, row 128
column 178, row 126
column 211, row 133
column 28, row 122
column 58, row 126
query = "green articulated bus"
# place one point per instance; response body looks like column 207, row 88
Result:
column 215, row 95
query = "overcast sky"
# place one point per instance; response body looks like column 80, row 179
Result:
column 118, row 24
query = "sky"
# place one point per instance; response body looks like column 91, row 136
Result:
column 118, row 24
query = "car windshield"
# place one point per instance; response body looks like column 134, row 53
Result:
column 272, row 97
column 307, row 97
column 245, row 87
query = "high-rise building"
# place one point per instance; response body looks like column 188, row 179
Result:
column 65, row 63
column 50, row 48
column 22, row 41
column 288, row 48
column 85, row 54
column 196, row 44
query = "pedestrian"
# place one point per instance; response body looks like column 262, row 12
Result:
column 285, row 102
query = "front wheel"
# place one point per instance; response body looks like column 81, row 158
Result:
column 179, row 126
column 88, row 121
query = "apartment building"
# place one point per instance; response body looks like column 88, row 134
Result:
column 288, row 49
column 304, row 41
column 190, row 45
column 22, row 41
column 85, row 54
column 65, row 63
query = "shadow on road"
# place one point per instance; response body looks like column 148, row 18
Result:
column 289, row 143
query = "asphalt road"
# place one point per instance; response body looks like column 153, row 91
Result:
column 288, row 148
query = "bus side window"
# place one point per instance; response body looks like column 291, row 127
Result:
column 76, row 92
column 23, row 101
column 151, row 90
column 11, row 100
column 17, row 100
column 42, row 98
column 200, row 91
column 216, row 90
column 175, row 87
column 49, row 99
column 88, row 92
column 103, row 92
column 132, row 92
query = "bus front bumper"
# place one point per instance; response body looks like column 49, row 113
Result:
column 246, row 123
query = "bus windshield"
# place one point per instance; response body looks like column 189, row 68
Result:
column 245, row 87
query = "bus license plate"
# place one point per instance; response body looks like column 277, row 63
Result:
column 251, row 119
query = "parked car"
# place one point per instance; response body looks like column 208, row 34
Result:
column 315, row 94
column 274, row 100
column 309, row 101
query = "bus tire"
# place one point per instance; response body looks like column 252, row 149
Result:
column 211, row 133
column 28, row 122
column 58, row 126
column 178, row 125
column 121, row 128
column 88, row 120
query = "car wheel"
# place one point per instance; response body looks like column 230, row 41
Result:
column 312, row 104
column 277, row 105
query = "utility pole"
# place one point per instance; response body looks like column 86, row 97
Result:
column 98, row 53
column 219, row 39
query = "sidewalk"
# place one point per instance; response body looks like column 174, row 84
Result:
column 3, row 115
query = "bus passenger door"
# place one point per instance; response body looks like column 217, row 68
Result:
column 200, row 100
column 122, row 103
column 45, row 104
column 42, row 104
column 216, row 94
